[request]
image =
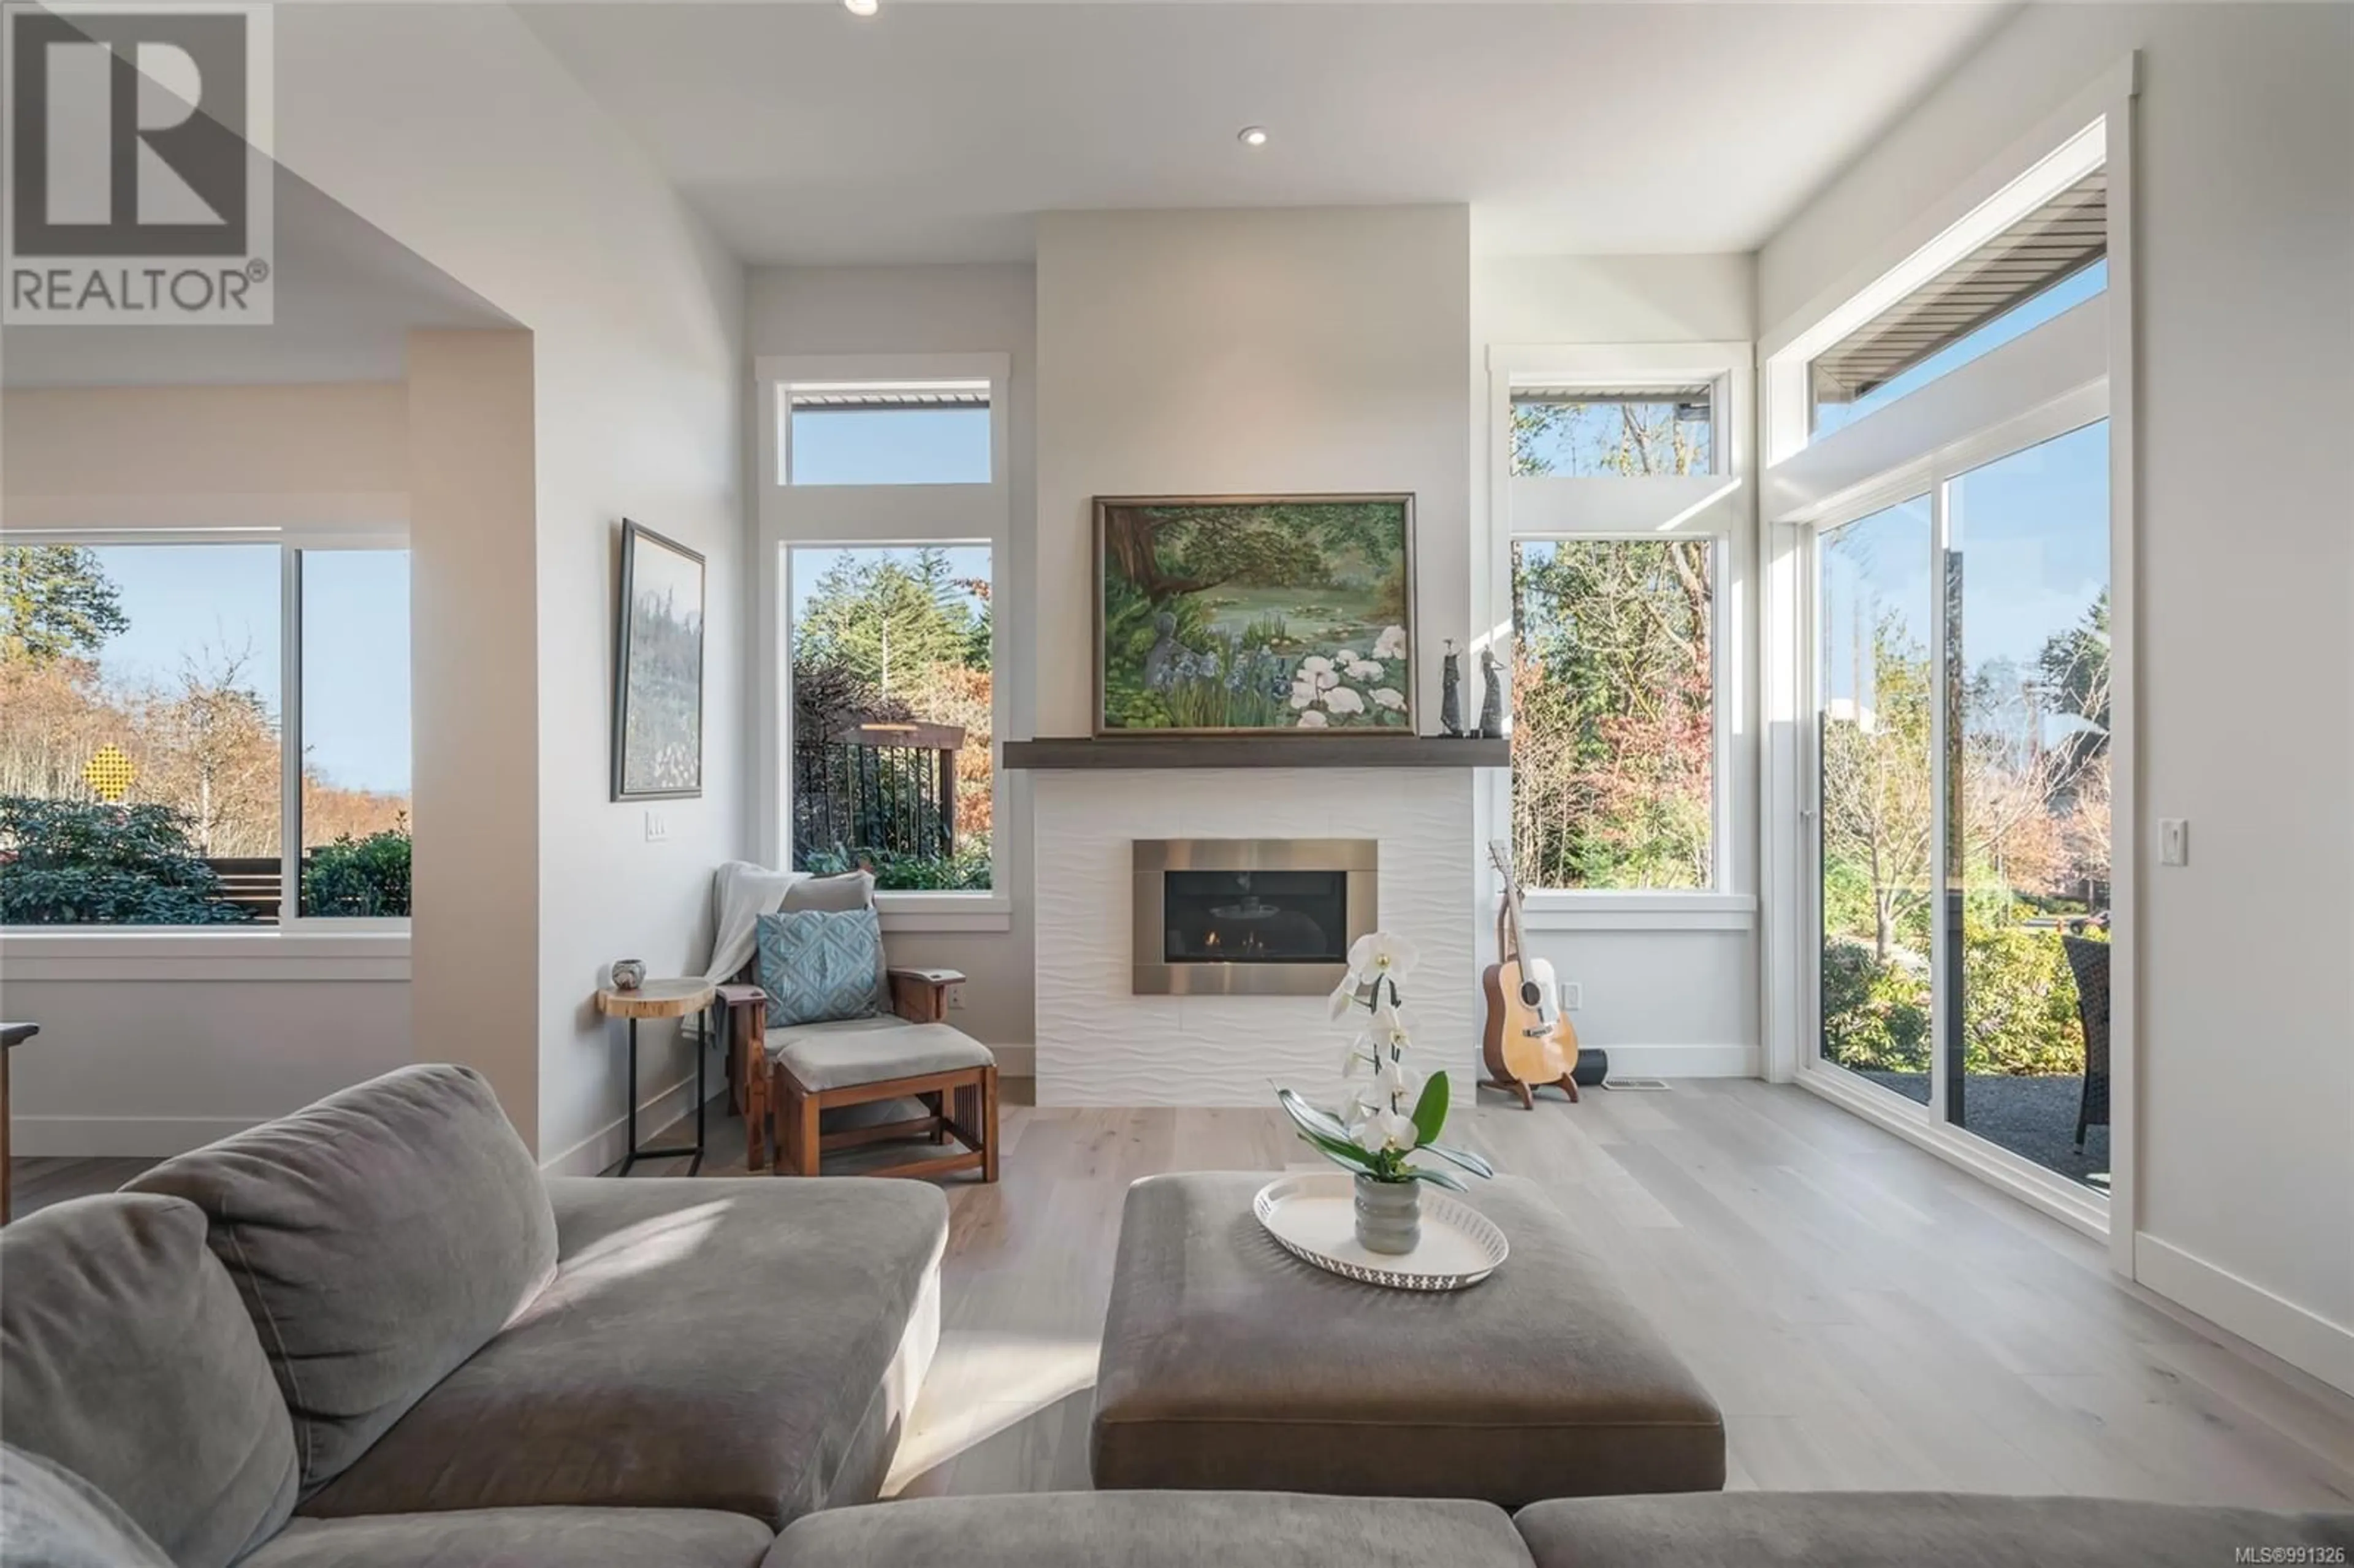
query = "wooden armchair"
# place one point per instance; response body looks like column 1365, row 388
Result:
column 911, row 1054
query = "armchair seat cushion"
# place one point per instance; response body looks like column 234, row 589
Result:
column 854, row 1051
column 744, row 1346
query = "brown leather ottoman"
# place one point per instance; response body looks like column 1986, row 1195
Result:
column 1227, row 1363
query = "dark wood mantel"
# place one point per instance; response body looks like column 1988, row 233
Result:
column 1255, row 751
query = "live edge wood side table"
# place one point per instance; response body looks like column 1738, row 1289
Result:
column 663, row 999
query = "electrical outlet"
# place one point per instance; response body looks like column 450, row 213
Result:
column 657, row 827
column 956, row 998
column 1573, row 996
column 2173, row 841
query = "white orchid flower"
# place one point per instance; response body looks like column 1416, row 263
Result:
column 1385, row 1130
column 1380, row 955
column 1344, row 996
column 1344, row 701
column 1311, row 719
column 1401, row 1083
column 1392, row 1028
column 1387, row 697
column 1359, row 1061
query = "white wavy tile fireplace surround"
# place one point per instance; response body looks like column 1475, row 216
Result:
column 1101, row 1044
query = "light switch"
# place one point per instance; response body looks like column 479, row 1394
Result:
column 657, row 827
column 2173, row 841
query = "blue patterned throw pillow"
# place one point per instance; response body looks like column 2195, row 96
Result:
column 819, row 965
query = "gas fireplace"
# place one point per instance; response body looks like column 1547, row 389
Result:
column 1250, row 916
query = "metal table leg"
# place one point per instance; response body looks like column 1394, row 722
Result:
column 674, row 1152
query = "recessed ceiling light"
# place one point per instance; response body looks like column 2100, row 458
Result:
column 1249, row 135
column 862, row 8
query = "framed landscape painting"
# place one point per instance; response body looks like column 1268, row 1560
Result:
column 658, row 669
column 1255, row 615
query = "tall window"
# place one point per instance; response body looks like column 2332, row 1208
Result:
column 144, row 741
column 1613, row 735
column 892, row 695
column 1622, row 505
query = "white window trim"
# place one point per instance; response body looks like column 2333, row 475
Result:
column 299, row 947
column 876, row 516
column 2008, row 187
column 1718, row 505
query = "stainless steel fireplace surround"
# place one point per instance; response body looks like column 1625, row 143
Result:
column 1250, row 916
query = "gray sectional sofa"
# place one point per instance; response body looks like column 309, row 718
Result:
column 370, row 1335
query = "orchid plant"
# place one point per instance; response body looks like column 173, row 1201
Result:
column 1392, row 1112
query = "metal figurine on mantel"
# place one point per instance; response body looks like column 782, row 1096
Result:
column 1491, row 705
column 1450, row 693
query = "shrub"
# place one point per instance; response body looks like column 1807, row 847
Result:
column 353, row 876
column 2019, row 1005
column 1875, row 1015
column 966, row 871
column 84, row 862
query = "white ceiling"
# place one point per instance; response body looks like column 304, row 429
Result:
column 932, row 131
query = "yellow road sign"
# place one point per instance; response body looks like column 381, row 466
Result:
column 108, row 773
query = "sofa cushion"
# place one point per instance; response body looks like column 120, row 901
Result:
column 126, row 1358
column 1228, row 1363
column 522, row 1538
column 818, row 964
column 379, row 1238
column 1155, row 1530
column 850, row 890
column 1876, row 1530
column 51, row 1518
column 870, row 1050
column 707, row 1344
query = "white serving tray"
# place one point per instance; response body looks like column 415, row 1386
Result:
column 1314, row 1217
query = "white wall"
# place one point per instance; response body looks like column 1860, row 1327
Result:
column 1222, row 353
column 151, row 1044
column 2245, row 150
column 981, row 309
column 1666, row 995
column 1235, row 353
column 453, row 129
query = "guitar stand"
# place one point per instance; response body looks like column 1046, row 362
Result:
column 1526, row 1092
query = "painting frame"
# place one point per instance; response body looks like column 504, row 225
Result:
column 1102, row 507
column 626, row 675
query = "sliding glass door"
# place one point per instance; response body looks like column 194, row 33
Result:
column 1961, row 798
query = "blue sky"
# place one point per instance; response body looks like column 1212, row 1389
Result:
column 212, row 603
column 890, row 446
column 2033, row 530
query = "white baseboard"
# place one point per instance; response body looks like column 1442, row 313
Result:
column 2303, row 1339
column 109, row 1137
column 1681, row 1061
column 603, row 1148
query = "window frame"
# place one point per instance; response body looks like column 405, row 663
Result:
column 299, row 945
column 2072, row 370
column 881, row 516
column 1716, row 506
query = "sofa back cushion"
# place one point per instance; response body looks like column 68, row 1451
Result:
column 128, row 1360
column 379, row 1238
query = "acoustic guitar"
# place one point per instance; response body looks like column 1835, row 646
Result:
column 1529, row 1043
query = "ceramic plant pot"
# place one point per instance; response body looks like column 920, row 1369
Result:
column 1389, row 1215
column 629, row 974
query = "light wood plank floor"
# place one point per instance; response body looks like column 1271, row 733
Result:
column 1867, row 1316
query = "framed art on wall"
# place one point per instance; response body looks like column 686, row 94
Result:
column 658, row 669
column 1255, row 615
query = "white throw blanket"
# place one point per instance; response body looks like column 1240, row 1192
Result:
column 741, row 894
